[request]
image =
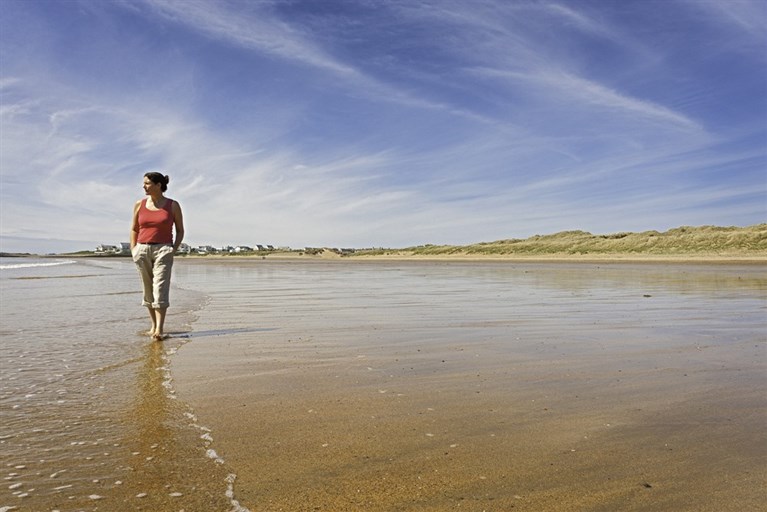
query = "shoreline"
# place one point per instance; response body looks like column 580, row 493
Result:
column 472, row 258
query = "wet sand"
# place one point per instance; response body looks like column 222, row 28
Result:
column 88, row 418
column 535, row 387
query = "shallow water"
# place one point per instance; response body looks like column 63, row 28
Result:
column 313, row 298
column 88, row 419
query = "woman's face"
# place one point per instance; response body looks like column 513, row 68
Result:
column 151, row 187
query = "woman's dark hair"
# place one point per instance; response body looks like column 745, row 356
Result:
column 158, row 178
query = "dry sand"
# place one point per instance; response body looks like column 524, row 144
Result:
column 318, row 421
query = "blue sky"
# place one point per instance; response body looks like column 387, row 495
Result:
column 357, row 123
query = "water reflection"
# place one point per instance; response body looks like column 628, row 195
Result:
column 674, row 278
column 150, row 413
column 169, row 469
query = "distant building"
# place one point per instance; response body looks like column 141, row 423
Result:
column 205, row 249
column 107, row 249
column 243, row 248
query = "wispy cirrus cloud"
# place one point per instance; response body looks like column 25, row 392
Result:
column 249, row 25
column 745, row 16
column 255, row 26
column 582, row 91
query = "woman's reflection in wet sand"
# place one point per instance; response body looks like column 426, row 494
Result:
column 169, row 469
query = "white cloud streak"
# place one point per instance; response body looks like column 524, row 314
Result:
column 569, row 88
column 242, row 29
column 745, row 16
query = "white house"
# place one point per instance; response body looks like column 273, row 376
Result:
column 107, row 249
column 205, row 249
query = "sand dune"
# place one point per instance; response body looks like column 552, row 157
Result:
column 686, row 241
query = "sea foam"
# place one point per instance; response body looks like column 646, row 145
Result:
column 56, row 263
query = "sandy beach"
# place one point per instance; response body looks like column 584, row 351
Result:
column 464, row 386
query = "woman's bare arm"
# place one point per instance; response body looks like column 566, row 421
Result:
column 134, row 225
column 179, row 224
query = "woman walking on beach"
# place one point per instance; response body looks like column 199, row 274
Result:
column 153, row 245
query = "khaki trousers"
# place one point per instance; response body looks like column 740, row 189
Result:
column 154, row 263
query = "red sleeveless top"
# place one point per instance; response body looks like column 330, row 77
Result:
column 155, row 226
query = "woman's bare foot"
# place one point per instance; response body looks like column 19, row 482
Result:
column 158, row 337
